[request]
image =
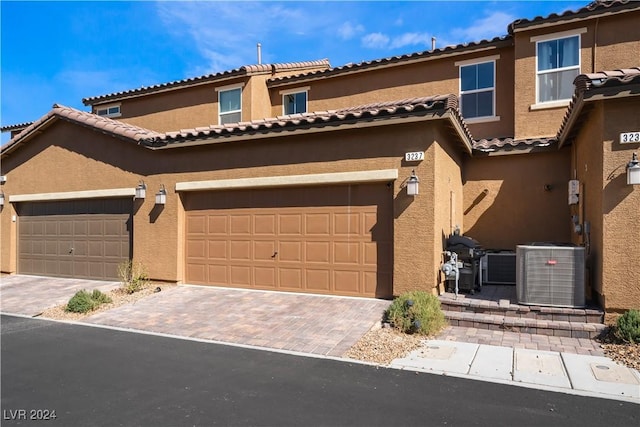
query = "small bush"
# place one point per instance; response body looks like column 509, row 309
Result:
column 133, row 276
column 628, row 327
column 83, row 301
column 416, row 312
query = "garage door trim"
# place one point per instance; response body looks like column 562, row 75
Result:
column 291, row 180
column 71, row 195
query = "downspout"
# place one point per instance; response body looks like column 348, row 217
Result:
column 595, row 46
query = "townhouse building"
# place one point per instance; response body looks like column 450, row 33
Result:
column 294, row 177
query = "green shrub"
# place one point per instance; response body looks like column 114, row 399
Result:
column 628, row 327
column 83, row 301
column 416, row 312
column 133, row 276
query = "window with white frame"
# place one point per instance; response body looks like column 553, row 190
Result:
column 558, row 64
column 230, row 105
column 477, row 89
column 108, row 110
column 294, row 102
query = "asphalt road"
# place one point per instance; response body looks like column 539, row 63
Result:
column 100, row 377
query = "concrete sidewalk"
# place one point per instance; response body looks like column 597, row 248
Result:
column 548, row 370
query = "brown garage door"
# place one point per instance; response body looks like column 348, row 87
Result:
column 80, row 238
column 329, row 240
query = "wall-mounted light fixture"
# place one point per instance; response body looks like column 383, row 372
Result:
column 141, row 190
column 412, row 184
column 161, row 196
column 1, row 199
column 3, row 179
column 633, row 170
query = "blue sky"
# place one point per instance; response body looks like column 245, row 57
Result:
column 61, row 52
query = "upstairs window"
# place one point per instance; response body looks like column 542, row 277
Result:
column 294, row 103
column 477, row 89
column 108, row 111
column 558, row 64
column 230, row 105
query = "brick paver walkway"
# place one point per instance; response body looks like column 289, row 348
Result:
column 521, row 340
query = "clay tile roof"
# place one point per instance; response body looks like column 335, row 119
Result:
column 16, row 126
column 365, row 65
column 245, row 70
column 495, row 144
column 100, row 123
column 608, row 83
column 319, row 118
column 597, row 7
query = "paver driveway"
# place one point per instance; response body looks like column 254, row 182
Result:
column 31, row 295
column 316, row 324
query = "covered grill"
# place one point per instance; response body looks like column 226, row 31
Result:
column 468, row 253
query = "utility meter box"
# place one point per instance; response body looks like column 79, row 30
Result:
column 574, row 191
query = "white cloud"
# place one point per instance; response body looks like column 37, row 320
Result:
column 348, row 30
column 410, row 39
column 375, row 41
column 383, row 41
column 490, row 26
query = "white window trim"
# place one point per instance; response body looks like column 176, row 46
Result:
column 304, row 89
column 225, row 89
column 107, row 107
column 545, row 38
column 477, row 61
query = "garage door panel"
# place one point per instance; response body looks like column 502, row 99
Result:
column 290, row 251
column 217, row 225
column 240, row 275
column 346, row 253
column 197, row 225
column 264, row 225
column 318, row 224
column 196, row 249
column 240, row 250
column 317, row 252
column 265, row 277
column 290, row 278
column 98, row 231
column 347, row 224
column 290, row 224
column 318, row 240
column 347, row 282
column 264, row 250
column 217, row 250
column 240, row 225
column 217, row 274
column 318, row 280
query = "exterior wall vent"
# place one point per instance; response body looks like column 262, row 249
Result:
column 550, row 275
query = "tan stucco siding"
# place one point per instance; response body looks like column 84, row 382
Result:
column 617, row 45
column 505, row 201
column 427, row 78
column 621, row 210
column 448, row 201
column 100, row 162
column 586, row 167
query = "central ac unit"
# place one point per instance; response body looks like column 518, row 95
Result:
column 499, row 268
column 551, row 275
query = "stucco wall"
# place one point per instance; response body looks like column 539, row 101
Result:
column 505, row 201
column 586, row 167
column 95, row 161
column 617, row 45
column 427, row 78
column 621, row 210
